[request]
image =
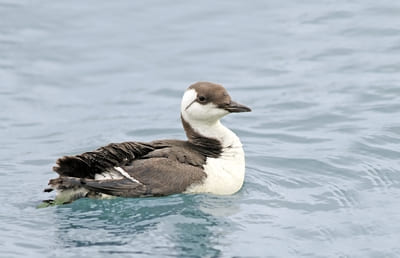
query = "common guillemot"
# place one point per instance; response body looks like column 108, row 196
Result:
column 210, row 161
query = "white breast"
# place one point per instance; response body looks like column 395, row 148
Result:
column 225, row 174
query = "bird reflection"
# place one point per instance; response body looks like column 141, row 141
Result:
column 183, row 225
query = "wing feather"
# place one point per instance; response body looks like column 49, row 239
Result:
column 88, row 164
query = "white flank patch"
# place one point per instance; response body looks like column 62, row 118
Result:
column 107, row 175
column 126, row 175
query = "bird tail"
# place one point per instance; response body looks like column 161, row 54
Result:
column 68, row 190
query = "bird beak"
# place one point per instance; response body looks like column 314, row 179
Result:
column 235, row 107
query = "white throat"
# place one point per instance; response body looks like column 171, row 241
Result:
column 217, row 131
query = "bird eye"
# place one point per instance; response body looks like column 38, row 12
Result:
column 202, row 98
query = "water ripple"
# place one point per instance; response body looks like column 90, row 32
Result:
column 322, row 143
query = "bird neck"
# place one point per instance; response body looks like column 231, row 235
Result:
column 209, row 133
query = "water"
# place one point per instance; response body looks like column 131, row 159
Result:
column 322, row 143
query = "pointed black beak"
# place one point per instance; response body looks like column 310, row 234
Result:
column 235, row 107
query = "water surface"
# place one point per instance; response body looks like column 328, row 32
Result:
column 322, row 143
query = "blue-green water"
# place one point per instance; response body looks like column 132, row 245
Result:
column 322, row 143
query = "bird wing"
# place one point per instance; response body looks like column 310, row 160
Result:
column 144, row 177
column 148, row 169
column 88, row 164
column 164, row 176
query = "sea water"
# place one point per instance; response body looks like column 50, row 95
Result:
column 322, row 143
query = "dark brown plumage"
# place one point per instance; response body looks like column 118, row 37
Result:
column 163, row 167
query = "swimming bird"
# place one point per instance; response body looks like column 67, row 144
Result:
column 210, row 161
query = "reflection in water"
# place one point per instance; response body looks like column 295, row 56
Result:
column 174, row 225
